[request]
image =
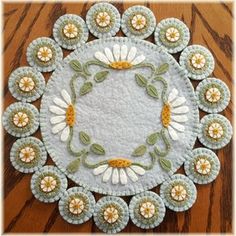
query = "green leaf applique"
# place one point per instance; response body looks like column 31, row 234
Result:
column 139, row 151
column 84, row 138
column 73, row 166
column 141, row 81
column 162, row 69
column 97, row 149
column 76, row 65
column 165, row 164
column 101, row 76
column 152, row 138
column 152, row 91
column 86, row 88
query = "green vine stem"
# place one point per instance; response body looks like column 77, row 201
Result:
column 147, row 167
column 166, row 142
column 149, row 65
column 90, row 165
column 165, row 87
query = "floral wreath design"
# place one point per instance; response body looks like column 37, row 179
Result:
column 49, row 183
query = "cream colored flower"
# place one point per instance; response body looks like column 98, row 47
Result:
column 178, row 193
column 198, row 61
column 76, row 206
column 138, row 22
column 27, row 154
column 213, row 95
column 172, row 34
column 26, row 84
column 70, row 31
column 44, row 54
column 173, row 114
column 20, row 119
column 203, row 166
column 110, row 215
column 65, row 115
column 147, row 210
column 103, row 19
column 215, row 130
column 120, row 58
column 48, row 184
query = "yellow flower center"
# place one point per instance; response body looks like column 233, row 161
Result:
column 119, row 65
column 165, row 115
column 119, row 163
column 70, row 115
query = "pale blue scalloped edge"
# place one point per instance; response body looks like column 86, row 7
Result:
column 222, row 104
column 125, row 214
column 37, row 92
column 147, row 12
column 58, row 56
column 223, row 142
column 192, row 189
column 160, row 211
column 42, row 158
column 34, row 112
column 152, row 183
column 193, row 175
column 58, row 173
column 113, row 30
column 87, row 215
column 184, row 58
column 178, row 24
column 83, row 39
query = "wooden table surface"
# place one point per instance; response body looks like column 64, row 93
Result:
column 210, row 25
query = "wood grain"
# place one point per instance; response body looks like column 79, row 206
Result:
column 210, row 25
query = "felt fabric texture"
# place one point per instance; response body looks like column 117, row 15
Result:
column 119, row 115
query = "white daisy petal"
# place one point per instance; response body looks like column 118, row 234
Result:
column 101, row 57
column 115, row 176
column 173, row 134
column 138, row 60
column 138, row 169
column 100, row 169
column 66, row 96
column 109, row 54
column 107, row 174
column 173, row 94
column 57, row 110
column 177, row 102
column 177, row 126
column 132, row 54
column 123, row 176
column 180, row 110
column 179, row 118
column 60, row 103
column 116, row 52
column 57, row 128
column 57, row 119
column 131, row 174
column 65, row 134
column 123, row 52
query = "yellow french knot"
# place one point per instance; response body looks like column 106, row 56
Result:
column 70, row 115
column 119, row 163
column 119, row 65
column 165, row 115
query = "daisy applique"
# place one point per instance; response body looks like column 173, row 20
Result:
column 174, row 114
column 65, row 115
column 120, row 57
column 118, row 170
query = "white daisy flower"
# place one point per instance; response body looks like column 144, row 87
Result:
column 44, row 54
column 48, row 184
column 26, row 84
column 118, row 170
column 27, row 154
column 147, row 210
column 198, row 61
column 76, row 206
column 178, row 193
column 103, row 19
column 215, row 130
column 70, row 31
column 174, row 113
column 110, row 215
column 65, row 118
column 20, row 119
column 138, row 22
column 172, row 34
column 120, row 58
column 203, row 166
column 213, row 95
